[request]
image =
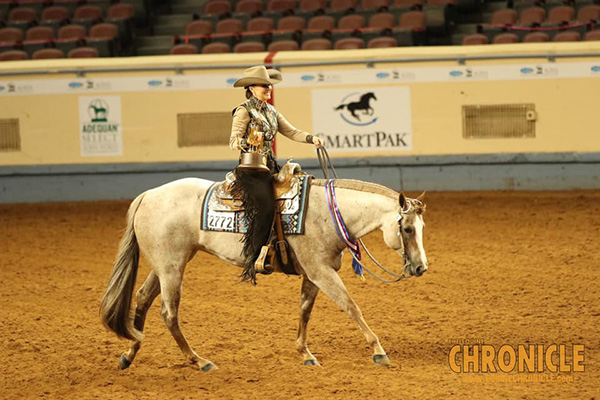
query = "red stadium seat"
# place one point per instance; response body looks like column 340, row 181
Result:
column 55, row 13
column 283, row 45
column 13, row 55
column 382, row 42
column 414, row 20
column 321, row 22
column 504, row 17
column 88, row 12
column 10, row 35
column 351, row 43
column 199, row 27
column 120, row 11
column 352, row 22
column 536, row 37
column 407, row 3
column 229, row 25
column 561, row 14
column 216, row 48
column 312, row 5
column 71, row 32
column 589, row 13
column 83, row 52
column 46, row 54
column 104, row 31
column 249, row 47
column 291, row 23
column 260, row 24
column 217, row 7
column 505, row 38
column 532, row 15
column 281, row 5
column 248, row 6
column 40, row 33
column 382, row 21
column 475, row 39
column 374, row 4
column 567, row 36
column 22, row 14
column 342, row 5
column 317, row 44
column 593, row 35
column 183, row 49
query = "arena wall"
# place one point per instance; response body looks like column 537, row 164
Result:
column 46, row 99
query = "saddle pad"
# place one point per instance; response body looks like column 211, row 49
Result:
column 292, row 211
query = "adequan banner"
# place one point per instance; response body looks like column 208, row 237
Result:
column 100, row 126
column 357, row 119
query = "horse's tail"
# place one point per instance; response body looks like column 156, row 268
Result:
column 115, row 308
column 341, row 107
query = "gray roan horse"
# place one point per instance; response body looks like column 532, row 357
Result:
column 163, row 225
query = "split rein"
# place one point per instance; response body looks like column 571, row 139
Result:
column 354, row 246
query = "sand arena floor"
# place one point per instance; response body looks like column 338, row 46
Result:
column 506, row 268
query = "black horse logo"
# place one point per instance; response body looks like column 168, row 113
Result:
column 362, row 104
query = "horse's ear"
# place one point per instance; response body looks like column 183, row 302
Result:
column 402, row 201
column 421, row 197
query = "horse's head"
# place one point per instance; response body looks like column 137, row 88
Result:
column 368, row 96
column 405, row 234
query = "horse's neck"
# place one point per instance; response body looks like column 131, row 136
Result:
column 362, row 211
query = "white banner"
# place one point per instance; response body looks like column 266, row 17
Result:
column 356, row 119
column 100, row 123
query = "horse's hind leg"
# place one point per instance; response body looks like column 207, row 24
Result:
column 170, row 285
column 330, row 283
column 145, row 296
column 307, row 301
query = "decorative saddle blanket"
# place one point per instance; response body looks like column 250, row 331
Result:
column 223, row 213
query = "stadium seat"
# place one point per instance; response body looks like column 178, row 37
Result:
column 382, row 21
column 589, row 13
column 316, row 44
column 260, row 24
column 351, row 22
column 342, row 5
column 593, row 35
column 87, row 15
column 45, row 54
column 40, row 33
column 283, row 45
column 475, row 39
column 54, row 16
column 561, row 14
column 248, row 6
column 281, row 5
column 13, row 55
column 312, row 5
column 249, row 47
column 83, row 52
column 440, row 2
column 414, row 20
column 291, row 23
column 216, row 48
column 505, row 38
column 10, row 35
column 22, row 14
column 379, row 5
column 229, row 25
column 567, row 36
column 104, row 38
column 198, row 28
column 351, row 43
column 71, row 32
column 532, row 15
column 217, row 7
column 120, row 11
column 321, row 22
column 536, row 37
column 407, row 3
column 504, row 17
column 382, row 42
column 183, row 49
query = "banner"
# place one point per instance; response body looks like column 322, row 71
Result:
column 100, row 124
column 356, row 119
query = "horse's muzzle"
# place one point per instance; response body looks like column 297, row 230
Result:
column 420, row 270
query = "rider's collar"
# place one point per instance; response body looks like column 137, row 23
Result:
column 256, row 103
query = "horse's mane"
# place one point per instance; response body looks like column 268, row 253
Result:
column 360, row 186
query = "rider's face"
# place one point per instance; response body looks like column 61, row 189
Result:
column 262, row 92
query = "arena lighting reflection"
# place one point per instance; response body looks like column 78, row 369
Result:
column 525, row 358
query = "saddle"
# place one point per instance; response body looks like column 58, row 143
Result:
column 290, row 188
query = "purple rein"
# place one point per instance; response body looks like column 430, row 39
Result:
column 341, row 229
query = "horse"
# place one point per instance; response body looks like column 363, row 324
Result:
column 163, row 225
column 362, row 104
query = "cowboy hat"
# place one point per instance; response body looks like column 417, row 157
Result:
column 258, row 75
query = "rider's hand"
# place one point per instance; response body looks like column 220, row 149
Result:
column 317, row 142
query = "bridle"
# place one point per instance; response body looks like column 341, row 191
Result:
column 353, row 246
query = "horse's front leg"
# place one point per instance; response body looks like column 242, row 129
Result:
column 307, row 301
column 327, row 279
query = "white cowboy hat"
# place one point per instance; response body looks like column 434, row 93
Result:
column 258, row 75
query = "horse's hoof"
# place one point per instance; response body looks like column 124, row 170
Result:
column 209, row 366
column 124, row 363
column 382, row 360
column 313, row 362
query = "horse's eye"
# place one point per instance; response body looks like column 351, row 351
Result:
column 408, row 230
